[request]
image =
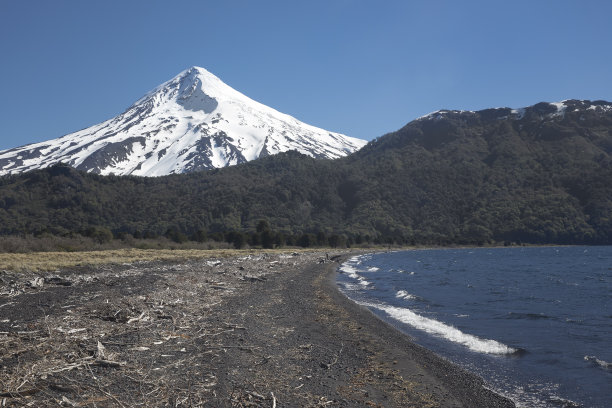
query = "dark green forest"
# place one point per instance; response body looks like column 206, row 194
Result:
column 454, row 178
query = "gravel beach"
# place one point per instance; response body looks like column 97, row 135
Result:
column 260, row 330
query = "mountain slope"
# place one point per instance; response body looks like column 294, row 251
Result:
column 540, row 175
column 192, row 122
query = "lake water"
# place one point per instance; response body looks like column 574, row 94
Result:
column 534, row 322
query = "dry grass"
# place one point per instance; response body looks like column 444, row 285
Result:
column 48, row 261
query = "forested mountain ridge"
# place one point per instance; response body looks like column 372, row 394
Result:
column 542, row 174
column 538, row 174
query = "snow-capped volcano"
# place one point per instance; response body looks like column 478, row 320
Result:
column 192, row 122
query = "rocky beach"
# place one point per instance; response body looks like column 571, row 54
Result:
column 255, row 330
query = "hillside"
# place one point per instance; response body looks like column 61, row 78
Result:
column 541, row 174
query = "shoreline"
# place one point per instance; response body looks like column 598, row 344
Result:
column 465, row 386
column 256, row 330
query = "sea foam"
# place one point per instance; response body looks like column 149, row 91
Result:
column 402, row 294
column 448, row 332
column 431, row 326
column 350, row 269
column 603, row 364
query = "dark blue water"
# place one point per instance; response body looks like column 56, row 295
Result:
column 535, row 323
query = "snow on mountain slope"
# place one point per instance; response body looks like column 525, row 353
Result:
column 192, row 122
column 539, row 111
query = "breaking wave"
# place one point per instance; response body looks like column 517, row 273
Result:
column 448, row 332
column 350, row 270
column 489, row 312
column 354, row 266
column 603, row 364
column 402, row 294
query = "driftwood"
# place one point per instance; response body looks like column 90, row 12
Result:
column 328, row 366
column 61, row 388
column 56, row 280
column 249, row 278
column 160, row 335
column 107, row 363
column 19, row 394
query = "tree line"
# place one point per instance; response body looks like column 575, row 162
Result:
column 468, row 180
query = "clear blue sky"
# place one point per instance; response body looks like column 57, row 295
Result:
column 363, row 68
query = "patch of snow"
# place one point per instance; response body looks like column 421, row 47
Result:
column 440, row 114
column 602, row 108
column 560, row 109
column 519, row 113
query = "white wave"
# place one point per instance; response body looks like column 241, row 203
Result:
column 437, row 328
column 372, row 269
column 349, row 286
column 355, row 259
column 402, row 294
column 562, row 402
column 601, row 363
column 349, row 270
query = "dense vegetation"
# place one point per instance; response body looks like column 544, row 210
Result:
column 460, row 177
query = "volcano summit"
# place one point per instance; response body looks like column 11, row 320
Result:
column 192, row 122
